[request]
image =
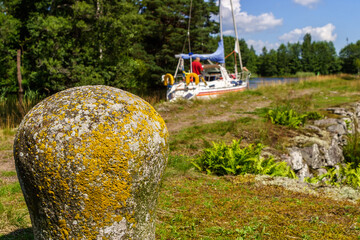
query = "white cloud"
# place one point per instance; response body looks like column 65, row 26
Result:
column 246, row 22
column 324, row 33
column 259, row 45
column 307, row 3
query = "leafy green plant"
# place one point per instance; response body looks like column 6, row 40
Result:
column 351, row 150
column 286, row 117
column 344, row 175
column 222, row 159
column 313, row 116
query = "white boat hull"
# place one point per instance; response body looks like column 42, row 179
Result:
column 202, row 90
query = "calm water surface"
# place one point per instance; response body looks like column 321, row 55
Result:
column 255, row 82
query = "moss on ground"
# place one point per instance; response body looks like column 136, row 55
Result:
column 196, row 206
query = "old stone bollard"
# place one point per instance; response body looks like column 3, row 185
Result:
column 89, row 161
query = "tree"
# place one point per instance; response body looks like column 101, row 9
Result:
column 282, row 60
column 267, row 63
column 9, row 31
column 165, row 32
column 357, row 64
column 252, row 59
column 307, row 57
column 71, row 43
column 348, row 56
column 325, row 58
column 294, row 57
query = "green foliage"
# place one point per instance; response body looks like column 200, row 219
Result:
column 96, row 43
column 343, row 175
column 222, row 159
column 314, row 116
column 348, row 56
column 351, row 150
column 286, row 117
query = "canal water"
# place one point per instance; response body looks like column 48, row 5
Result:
column 256, row 82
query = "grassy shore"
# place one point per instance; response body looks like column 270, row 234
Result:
column 193, row 205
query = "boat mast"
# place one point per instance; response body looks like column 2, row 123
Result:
column 220, row 14
column 221, row 28
column 188, row 35
column 237, row 38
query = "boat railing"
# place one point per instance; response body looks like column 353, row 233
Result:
column 244, row 76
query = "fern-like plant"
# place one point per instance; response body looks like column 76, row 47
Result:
column 222, row 159
column 344, row 175
column 288, row 117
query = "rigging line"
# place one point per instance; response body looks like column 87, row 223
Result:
column 236, row 34
column 189, row 26
column 188, row 30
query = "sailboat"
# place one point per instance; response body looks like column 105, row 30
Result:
column 215, row 79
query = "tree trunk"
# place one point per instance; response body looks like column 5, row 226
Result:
column 19, row 77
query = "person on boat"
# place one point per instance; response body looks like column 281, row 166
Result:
column 197, row 66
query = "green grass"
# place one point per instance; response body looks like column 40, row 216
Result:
column 8, row 174
column 13, row 212
column 194, row 206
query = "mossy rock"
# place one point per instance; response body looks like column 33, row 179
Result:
column 89, row 161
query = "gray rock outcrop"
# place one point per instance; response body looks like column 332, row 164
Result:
column 322, row 146
column 89, row 161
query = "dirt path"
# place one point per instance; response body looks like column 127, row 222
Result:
column 6, row 153
column 181, row 116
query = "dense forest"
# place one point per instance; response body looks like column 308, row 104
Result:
column 51, row 45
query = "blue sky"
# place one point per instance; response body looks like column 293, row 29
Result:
column 272, row 22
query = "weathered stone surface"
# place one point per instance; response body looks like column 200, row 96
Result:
column 338, row 129
column 340, row 111
column 312, row 156
column 303, row 141
column 304, row 172
column 334, row 155
column 295, row 160
column 316, row 129
column 89, row 161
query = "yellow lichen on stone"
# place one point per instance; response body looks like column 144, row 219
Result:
column 90, row 151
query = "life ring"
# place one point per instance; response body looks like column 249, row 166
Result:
column 192, row 75
column 168, row 79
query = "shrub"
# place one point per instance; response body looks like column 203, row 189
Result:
column 222, row 159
